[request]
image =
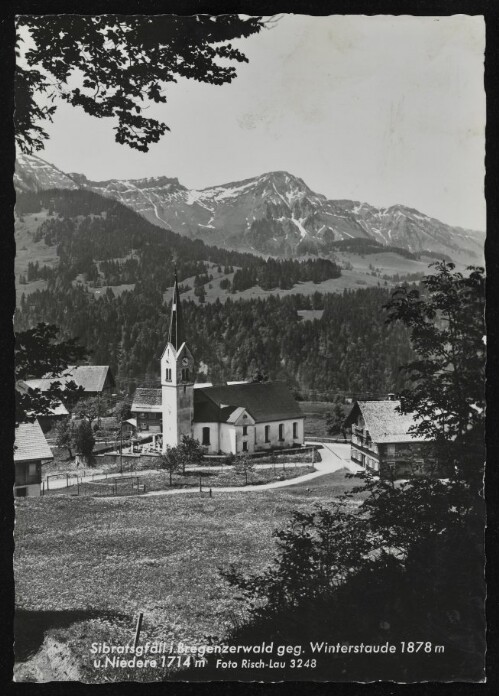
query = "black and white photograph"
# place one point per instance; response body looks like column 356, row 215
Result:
column 250, row 348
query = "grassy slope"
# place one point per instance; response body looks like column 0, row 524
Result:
column 94, row 563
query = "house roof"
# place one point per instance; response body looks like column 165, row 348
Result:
column 147, row 399
column 91, row 377
column 386, row 424
column 264, row 401
column 31, row 443
column 58, row 408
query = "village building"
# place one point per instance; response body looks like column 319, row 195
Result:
column 31, row 450
column 95, row 380
column 147, row 409
column 230, row 419
column 53, row 415
column 382, row 440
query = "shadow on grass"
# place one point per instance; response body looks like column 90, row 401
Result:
column 30, row 627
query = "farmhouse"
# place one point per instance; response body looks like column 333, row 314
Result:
column 146, row 406
column 94, row 379
column 53, row 415
column 31, row 451
column 233, row 418
column 382, row 441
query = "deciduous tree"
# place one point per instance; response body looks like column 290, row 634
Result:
column 172, row 460
column 38, row 354
column 244, row 466
column 123, row 63
column 65, row 436
column 84, row 439
column 446, row 381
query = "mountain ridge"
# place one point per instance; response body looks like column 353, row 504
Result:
column 274, row 213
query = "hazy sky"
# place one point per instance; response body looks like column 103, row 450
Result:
column 379, row 109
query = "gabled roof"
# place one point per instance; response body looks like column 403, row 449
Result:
column 30, row 443
column 385, row 423
column 264, row 401
column 91, row 377
column 58, row 409
column 147, row 399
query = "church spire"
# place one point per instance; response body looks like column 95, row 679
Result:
column 176, row 335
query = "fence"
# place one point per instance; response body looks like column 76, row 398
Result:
column 98, row 480
column 217, row 459
column 325, row 440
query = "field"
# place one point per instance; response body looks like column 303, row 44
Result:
column 160, row 480
column 315, row 413
column 85, row 567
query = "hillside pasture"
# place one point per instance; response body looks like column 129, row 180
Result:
column 85, row 567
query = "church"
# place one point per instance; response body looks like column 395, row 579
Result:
column 233, row 418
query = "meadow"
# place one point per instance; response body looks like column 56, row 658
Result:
column 85, row 567
column 160, row 480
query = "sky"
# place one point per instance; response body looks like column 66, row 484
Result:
column 379, row 109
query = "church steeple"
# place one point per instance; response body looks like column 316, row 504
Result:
column 176, row 334
column 177, row 379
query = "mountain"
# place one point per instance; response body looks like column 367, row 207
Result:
column 34, row 174
column 275, row 213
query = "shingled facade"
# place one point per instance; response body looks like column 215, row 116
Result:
column 30, row 452
column 383, row 441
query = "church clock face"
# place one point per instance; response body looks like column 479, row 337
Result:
column 185, row 362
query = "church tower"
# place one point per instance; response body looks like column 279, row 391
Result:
column 177, row 379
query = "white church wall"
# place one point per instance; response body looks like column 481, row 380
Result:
column 287, row 439
column 249, row 438
column 197, row 433
column 228, row 438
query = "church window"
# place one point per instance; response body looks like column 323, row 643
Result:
column 267, row 433
column 185, row 374
column 295, row 430
column 168, row 374
column 245, row 429
column 206, row 436
column 245, row 446
column 281, row 432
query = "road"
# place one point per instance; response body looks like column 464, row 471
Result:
column 334, row 456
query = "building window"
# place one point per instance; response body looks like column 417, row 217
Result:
column 185, row 374
column 245, row 429
column 390, row 450
column 206, row 436
column 168, row 374
column 267, row 433
column 281, row 432
column 295, row 431
column 245, row 446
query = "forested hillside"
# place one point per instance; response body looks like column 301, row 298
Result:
column 100, row 243
column 108, row 244
column 349, row 349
